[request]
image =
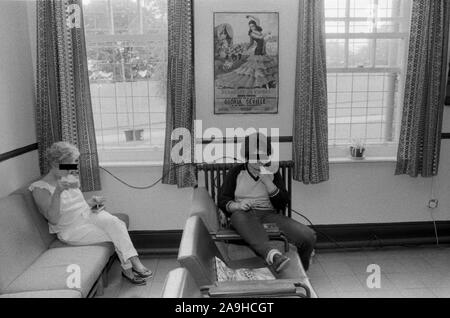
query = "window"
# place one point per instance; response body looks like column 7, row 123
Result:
column 127, row 61
column 366, row 52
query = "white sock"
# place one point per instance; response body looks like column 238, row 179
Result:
column 271, row 254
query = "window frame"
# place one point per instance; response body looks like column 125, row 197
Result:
column 143, row 155
column 385, row 149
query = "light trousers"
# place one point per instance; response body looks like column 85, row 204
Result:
column 94, row 228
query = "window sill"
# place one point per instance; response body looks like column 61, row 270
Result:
column 131, row 164
column 338, row 160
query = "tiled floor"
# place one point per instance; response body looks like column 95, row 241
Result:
column 421, row 272
column 405, row 272
column 118, row 287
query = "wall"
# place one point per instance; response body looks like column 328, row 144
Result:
column 356, row 192
column 17, row 127
column 163, row 207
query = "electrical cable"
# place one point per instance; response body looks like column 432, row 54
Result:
column 176, row 166
column 318, row 231
column 375, row 238
column 431, row 212
column 435, row 228
column 144, row 187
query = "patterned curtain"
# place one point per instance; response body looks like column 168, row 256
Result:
column 180, row 111
column 310, row 134
column 420, row 134
column 63, row 110
column 447, row 96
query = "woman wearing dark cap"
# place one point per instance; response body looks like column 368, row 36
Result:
column 251, row 198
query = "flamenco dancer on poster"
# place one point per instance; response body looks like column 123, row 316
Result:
column 260, row 70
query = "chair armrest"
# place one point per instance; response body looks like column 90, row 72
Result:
column 261, row 288
column 273, row 232
column 203, row 206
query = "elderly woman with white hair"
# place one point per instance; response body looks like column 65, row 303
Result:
column 71, row 217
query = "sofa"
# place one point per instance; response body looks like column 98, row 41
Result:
column 35, row 264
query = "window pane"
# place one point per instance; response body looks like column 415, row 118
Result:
column 154, row 14
column 96, row 17
column 335, row 8
column 362, row 8
column 359, row 52
column 334, row 26
column 364, row 111
column 331, row 84
column 387, row 52
column 389, row 8
column 388, row 26
column 335, row 53
column 125, row 17
column 361, row 27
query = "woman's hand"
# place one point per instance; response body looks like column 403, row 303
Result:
column 65, row 184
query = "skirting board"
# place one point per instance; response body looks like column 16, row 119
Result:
column 331, row 236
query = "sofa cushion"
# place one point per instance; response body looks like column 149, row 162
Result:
column 20, row 241
column 49, row 271
column 39, row 220
column 64, row 293
column 50, row 240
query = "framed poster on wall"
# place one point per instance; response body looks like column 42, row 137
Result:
column 246, row 62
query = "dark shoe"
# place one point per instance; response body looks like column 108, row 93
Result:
column 145, row 274
column 279, row 262
column 136, row 280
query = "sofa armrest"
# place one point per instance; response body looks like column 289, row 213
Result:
column 180, row 284
column 61, row 293
column 255, row 288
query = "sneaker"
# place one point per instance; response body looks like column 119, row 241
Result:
column 279, row 262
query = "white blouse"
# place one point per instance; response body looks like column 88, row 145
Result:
column 73, row 206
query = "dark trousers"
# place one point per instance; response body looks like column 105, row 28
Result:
column 250, row 226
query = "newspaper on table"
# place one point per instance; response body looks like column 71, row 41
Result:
column 224, row 273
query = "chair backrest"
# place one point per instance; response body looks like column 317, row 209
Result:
column 214, row 173
column 197, row 252
column 180, row 284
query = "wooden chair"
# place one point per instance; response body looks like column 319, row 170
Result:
column 214, row 174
